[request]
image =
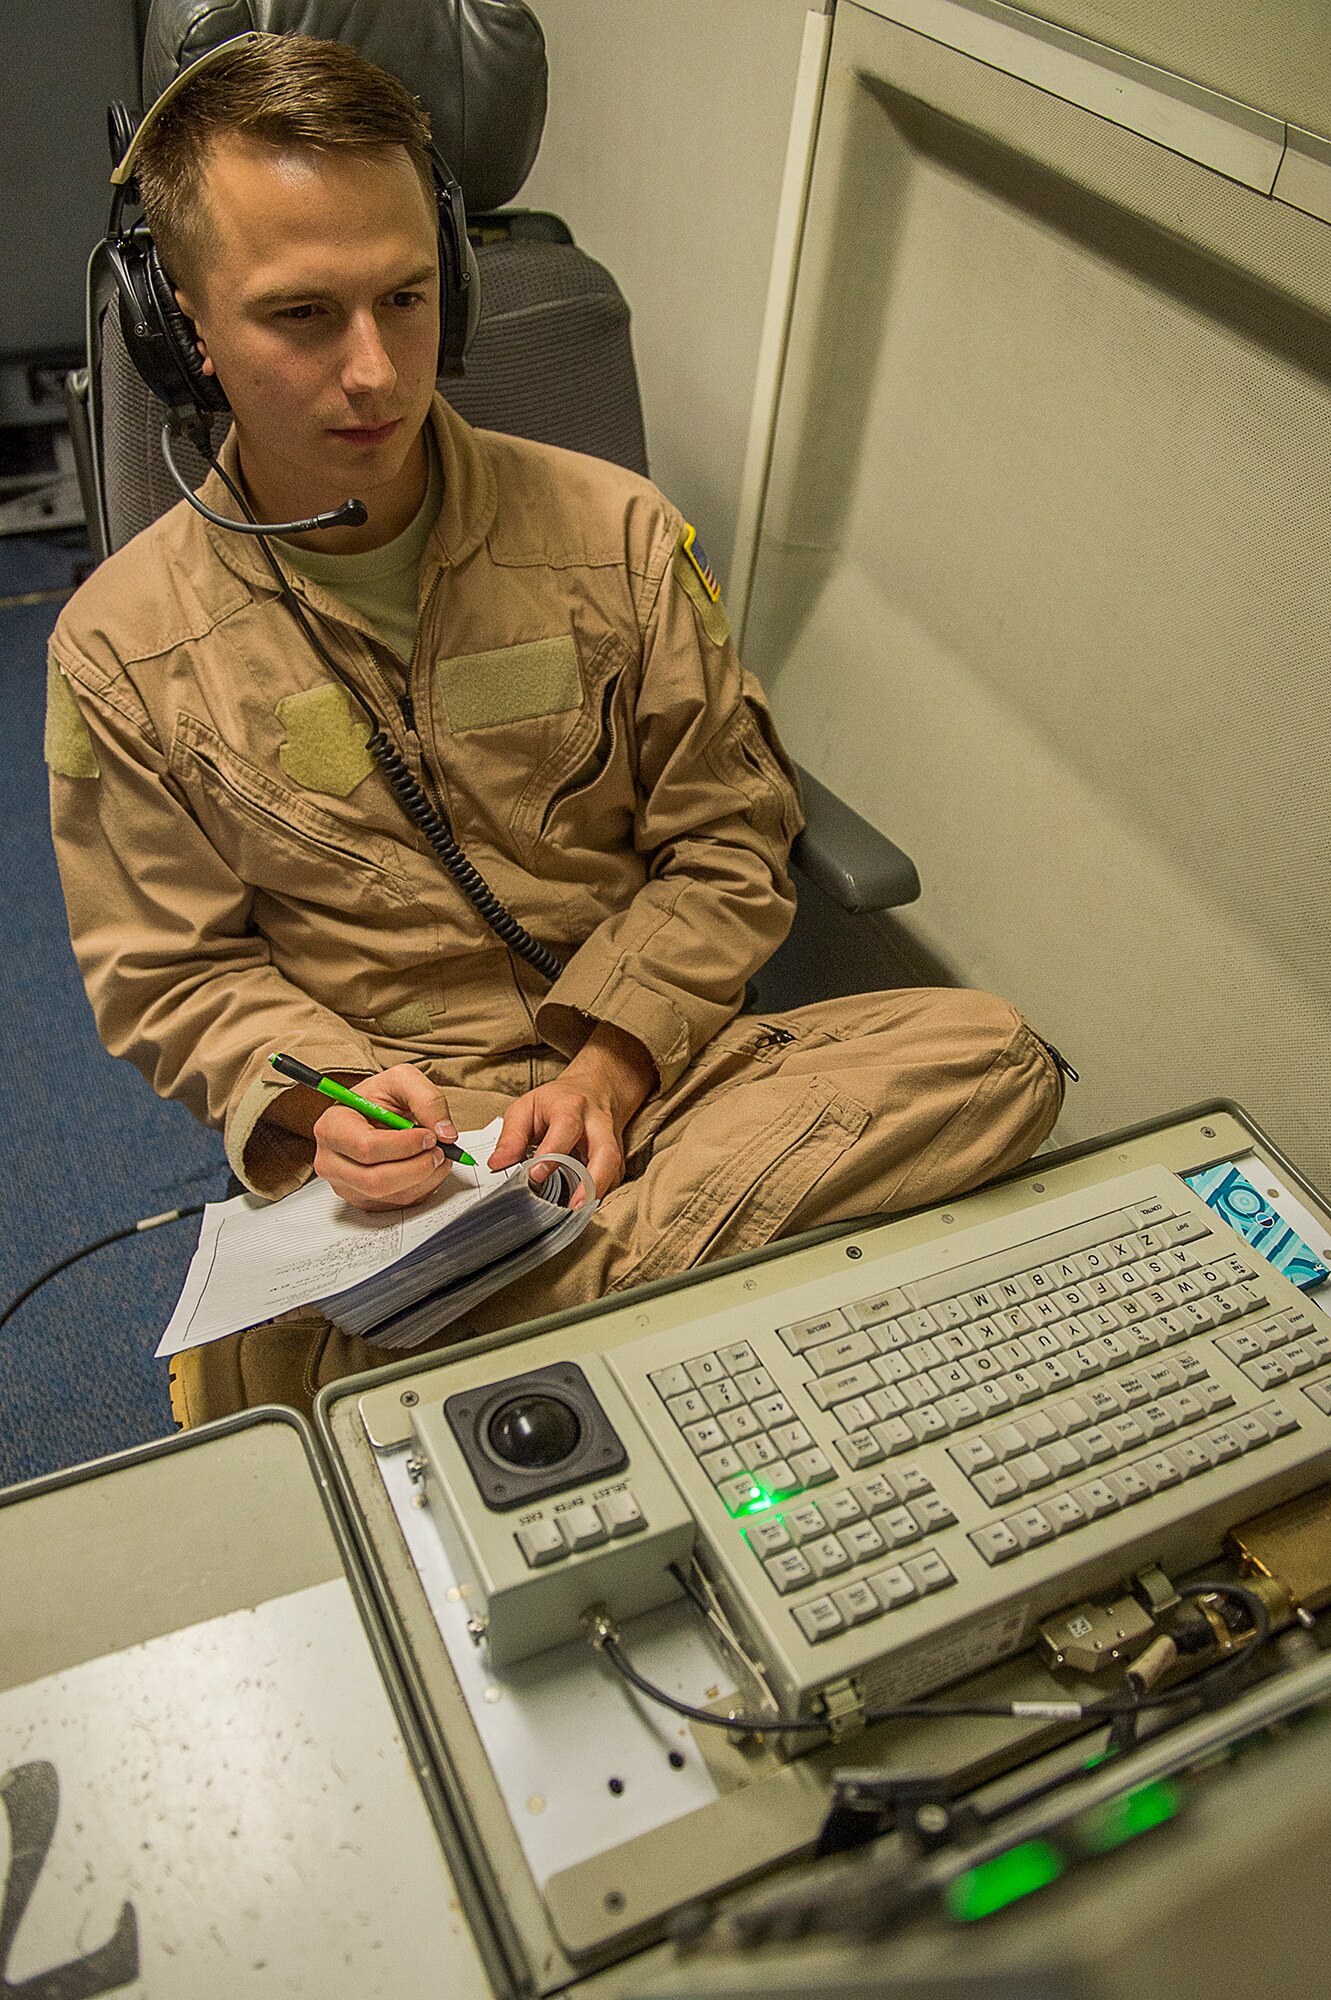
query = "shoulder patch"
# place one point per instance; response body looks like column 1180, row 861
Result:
column 696, row 576
column 68, row 746
column 325, row 743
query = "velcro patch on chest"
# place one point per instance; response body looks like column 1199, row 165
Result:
column 510, row 683
column 325, row 742
column 696, row 576
column 68, row 747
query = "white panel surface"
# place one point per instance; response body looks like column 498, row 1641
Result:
column 234, row 1813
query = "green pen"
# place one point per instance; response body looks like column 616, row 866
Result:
column 300, row 1072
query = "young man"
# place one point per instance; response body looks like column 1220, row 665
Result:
column 530, row 627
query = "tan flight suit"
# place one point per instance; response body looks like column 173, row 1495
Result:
column 240, row 879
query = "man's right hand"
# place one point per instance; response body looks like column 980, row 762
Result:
column 373, row 1167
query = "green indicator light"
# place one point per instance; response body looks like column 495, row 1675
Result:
column 1108, row 1826
column 1005, row 1879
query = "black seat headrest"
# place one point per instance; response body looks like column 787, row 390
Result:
column 498, row 97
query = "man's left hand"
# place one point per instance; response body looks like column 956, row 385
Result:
column 584, row 1111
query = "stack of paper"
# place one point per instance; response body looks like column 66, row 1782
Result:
column 394, row 1278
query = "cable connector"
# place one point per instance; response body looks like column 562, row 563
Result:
column 600, row 1626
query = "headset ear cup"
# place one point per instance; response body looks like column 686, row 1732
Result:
column 206, row 390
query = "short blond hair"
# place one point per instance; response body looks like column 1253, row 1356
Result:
column 284, row 91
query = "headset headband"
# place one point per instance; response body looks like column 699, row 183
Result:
column 125, row 171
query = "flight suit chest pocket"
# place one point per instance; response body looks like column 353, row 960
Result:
column 579, row 784
column 273, row 837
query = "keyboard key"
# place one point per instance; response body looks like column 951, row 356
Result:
column 892, row 1587
column 828, row 1392
column 959, row 1411
column 1250, row 1430
column 704, row 1369
column 1031, row 1526
column 997, row 1486
column 834, row 1354
column 541, row 1543
column 670, row 1382
column 1062, row 1457
column 1269, row 1372
column 928, row 1572
column 997, row 1543
column 1095, row 1498
column 859, row 1412
column 805, row 1522
column 1155, row 1420
column 689, row 1408
column 1224, row 1445
column 883, row 1305
column 1030, row 1471
column 840, row 1509
column 1160, row 1469
column 1095, row 1444
column 1007, row 1441
column 706, row 1436
column 875, row 1494
column 1185, row 1406
column 1036, row 1428
column 582, row 1528
column 740, row 1424
column 739, row 1492
column 780, row 1479
column 818, row 1619
column 789, row 1571
column 925, row 1424
column 1280, row 1418
column 1067, row 1415
column 862, row 1448
column 899, row 1528
column 755, row 1384
column 972, row 1454
column 757, row 1452
column 738, row 1358
column 1126, row 1432
column 773, row 1410
column 894, row 1435
column 790, row 1439
column 992, row 1398
column 1319, row 1395
column 1128, row 1485
column 1023, row 1385
column 1192, row 1455
column 720, row 1396
column 1298, row 1358
column 1063, row 1512
column 723, row 1464
column 857, row 1602
column 812, row 1468
column 862, row 1542
column 933, row 1513
column 767, row 1538
column 806, row 1333
column 910, row 1482
column 828, row 1557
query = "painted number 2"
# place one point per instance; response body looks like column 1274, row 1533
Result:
column 30, row 1794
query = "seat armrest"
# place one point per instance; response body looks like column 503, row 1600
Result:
column 848, row 859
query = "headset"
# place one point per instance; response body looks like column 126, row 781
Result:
column 161, row 343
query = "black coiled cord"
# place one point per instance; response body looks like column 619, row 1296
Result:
column 411, row 797
column 409, row 794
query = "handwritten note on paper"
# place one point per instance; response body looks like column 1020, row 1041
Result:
column 257, row 1259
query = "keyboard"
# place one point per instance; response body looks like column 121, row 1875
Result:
column 894, row 1481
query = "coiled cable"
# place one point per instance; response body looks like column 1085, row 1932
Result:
column 424, row 813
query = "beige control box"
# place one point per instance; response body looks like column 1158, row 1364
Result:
column 550, row 1498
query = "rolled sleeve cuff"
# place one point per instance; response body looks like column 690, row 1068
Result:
column 268, row 1159
column 582, row 996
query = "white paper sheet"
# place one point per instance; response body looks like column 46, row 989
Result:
column 256, row 1259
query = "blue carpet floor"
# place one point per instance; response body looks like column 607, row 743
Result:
column 85, row 1146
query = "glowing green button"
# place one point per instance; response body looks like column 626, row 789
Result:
column 1006, row 1879
column 1108, row 1826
